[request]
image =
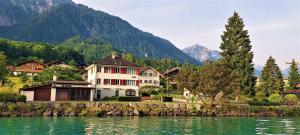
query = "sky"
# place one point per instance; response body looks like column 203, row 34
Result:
column 273, row 25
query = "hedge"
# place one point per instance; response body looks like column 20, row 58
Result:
column 134, row 99
column 167, row 99
column 263, row 103
column 8, row 97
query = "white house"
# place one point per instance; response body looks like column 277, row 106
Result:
column 115, row 76
column 149, row 77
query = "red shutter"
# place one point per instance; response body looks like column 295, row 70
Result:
column 137, row 82
column 138, row 71
column 105, row 70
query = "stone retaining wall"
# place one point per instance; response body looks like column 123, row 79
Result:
column 138, row 109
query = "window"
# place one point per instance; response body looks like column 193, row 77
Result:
column 98, row 81
column 106, row 81
column 149, row 81
column 145, row 81
column 130, row 93
column 130, row 71
column 98, row 68
column 117, row 93
column 107, row 70
column 130, row 82
column 117, row 82
column 150, row 74
column 155, row 82
column 117, row 70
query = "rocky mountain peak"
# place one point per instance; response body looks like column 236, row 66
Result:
column 202, row 53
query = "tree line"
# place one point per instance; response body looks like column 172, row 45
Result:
column 233, row 74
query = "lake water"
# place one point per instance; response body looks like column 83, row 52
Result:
column 149, row 125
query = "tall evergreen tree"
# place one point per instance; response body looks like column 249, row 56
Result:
column 237, row 54
column 294, row 76
column 271, row 78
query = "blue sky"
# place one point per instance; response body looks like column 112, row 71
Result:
column 273, row 25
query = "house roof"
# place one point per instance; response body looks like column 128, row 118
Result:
column 116, row 61
column 32, row 87
column 31, row 61
column 298, row 85
column 71, row 82
column 172, row 70
column 149, row 67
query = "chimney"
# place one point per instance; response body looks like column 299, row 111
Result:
column 113, row 55
column 54, row 77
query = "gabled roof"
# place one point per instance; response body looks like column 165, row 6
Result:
column 71, row 82
column 172, row 70
column 149, row 67
column 116, row 61
column 31, row 61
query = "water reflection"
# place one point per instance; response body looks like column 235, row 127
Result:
column 149, row 125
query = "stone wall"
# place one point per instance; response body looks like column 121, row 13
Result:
column 138, row 109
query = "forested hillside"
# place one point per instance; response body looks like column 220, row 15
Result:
column 17, row 51
column 67, row 20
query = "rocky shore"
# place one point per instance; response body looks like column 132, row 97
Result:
column 21, row 109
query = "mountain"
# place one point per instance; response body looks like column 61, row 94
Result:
column 201, row 53
column 64, row 20
column 14, row 11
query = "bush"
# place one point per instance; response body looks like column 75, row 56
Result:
column 263, row 102
column 12, row 107
column 106, row 98
column 134, row 99
column 275, row 98
column 290, row 99
column 7, row 97
column 260, row 96
column 21, row 98
column 145, row 95
column 167, row 99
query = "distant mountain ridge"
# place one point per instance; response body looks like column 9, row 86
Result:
column 55, row 21
column 201, row 53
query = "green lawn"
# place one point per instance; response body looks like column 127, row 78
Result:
column 15, row 88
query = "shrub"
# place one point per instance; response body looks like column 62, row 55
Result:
column 135, row 99
column 275, row 98
column 167, row 99
column 7, row 97
column 260, row 95
column 21, row 98
column 106, row 98
column 145, row 95
column 290, row 99
column 12, row 107
column 263, row 102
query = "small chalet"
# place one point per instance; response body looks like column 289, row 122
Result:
column 296, row 91
column 59, row 91
column 31, row 67
column 149, row 77
column 10, row 67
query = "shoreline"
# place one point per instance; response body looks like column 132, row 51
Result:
column 66, row 109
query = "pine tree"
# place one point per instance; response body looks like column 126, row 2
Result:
column 271, row 78
column 294, row 76
column 237, row 54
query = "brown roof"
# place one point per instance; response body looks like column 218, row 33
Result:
column 31, row 61
column 71, row 82
column 292, row 91
column 37, row 86
column 298, row 85
column 173, row 70
column 117, row 61
column 145, row 68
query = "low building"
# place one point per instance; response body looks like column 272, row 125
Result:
column 60, row 91
column 115, row 76
column 149, row 77
column 31, row 67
